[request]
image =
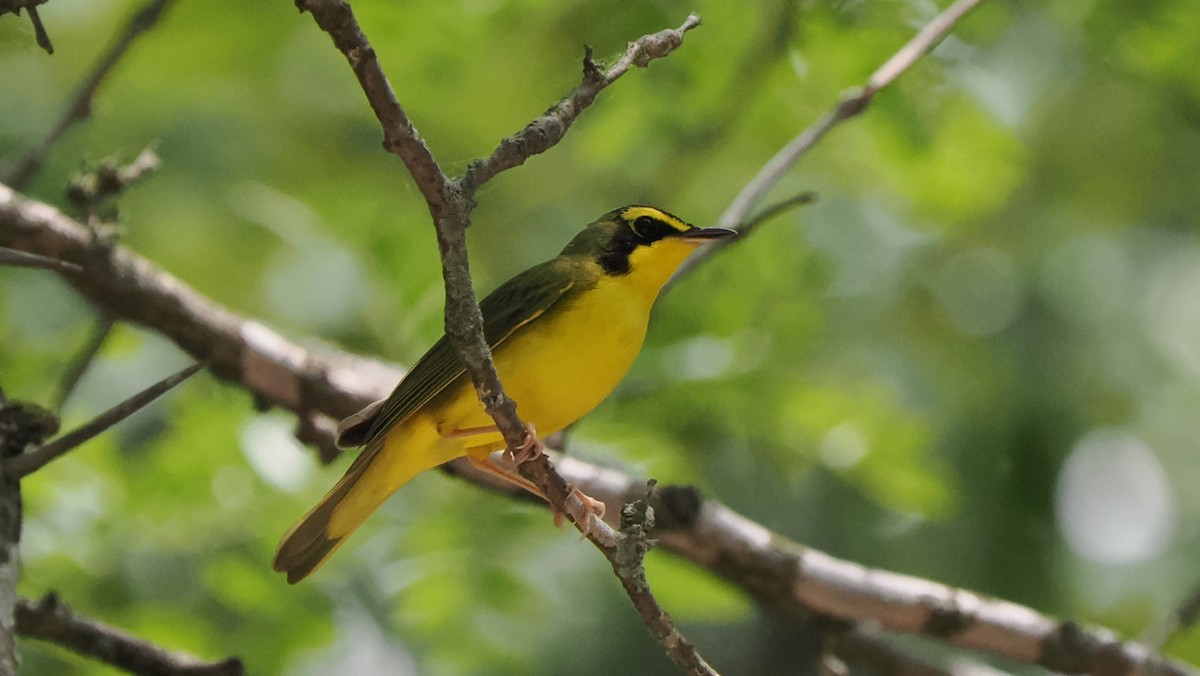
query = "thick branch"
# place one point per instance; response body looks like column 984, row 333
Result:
column 788, row 577
column 275, row 370
column 794, row 580
column 50, row 620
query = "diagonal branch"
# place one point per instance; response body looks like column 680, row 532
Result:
column 51, row 620
column 450, row 209
column 451, row 204
column 81, row 104
column 780, row 574
column 777, row 572
column 547, row 130
column 21, row 259
column 852, row 103
column 23, row 465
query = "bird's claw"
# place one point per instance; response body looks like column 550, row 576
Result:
column 589, row 506
column 528, row 450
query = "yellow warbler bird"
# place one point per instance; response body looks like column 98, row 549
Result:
column 562, row 334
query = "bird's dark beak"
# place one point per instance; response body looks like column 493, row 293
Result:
column 705, row 234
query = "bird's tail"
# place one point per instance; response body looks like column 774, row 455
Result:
column 376, row 474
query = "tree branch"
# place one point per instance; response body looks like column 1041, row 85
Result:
column 81, row 103
column 637, row 520
column 780, row 574
column 737, row 215
column 451, row 203
column 544, row 132
column 132, row 288
column 21, row 425
column 51, row 620
column 20, row 259
column 23, row 465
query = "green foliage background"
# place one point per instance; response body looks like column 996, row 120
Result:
column 985, row 332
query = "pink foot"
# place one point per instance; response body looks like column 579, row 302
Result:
column 528, row 450
column 591, row 506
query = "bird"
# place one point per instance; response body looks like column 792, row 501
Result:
column 563, row 334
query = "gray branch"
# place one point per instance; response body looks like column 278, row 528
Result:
column 51, row 620
column 779, row 573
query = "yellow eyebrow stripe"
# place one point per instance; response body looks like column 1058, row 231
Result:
column 633, row 213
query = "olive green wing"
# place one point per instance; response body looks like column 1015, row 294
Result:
column 516, row 302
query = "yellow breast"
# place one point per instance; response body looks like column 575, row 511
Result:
column 562, row 364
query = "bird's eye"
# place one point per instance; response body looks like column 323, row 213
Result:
column 643, row 226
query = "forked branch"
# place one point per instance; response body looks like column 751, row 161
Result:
column 781, row 574
column 451, row 203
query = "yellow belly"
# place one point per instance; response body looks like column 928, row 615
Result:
column 557, row 368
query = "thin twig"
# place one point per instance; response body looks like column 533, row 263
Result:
column 773, row 210
column 39, row 30
column 737, row 214
column 80, row 363
column 51, row 620
column 851, row 104
column 544, row 132
column 745, row 228
column 22, row 259
column 790, row 579
column 81, row 103
column 24, row 465
column 108, row 179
